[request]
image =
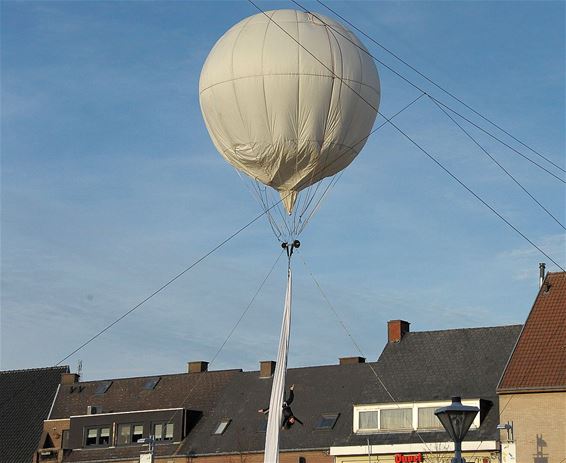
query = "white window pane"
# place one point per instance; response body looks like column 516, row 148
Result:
column 427, row 418
column 397, row 418
column 368, row 420
column 158, row 431
column 169, row 431
column 92, row 432
column 138, row 429
column 104, row 432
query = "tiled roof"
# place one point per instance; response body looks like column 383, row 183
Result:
column 25, row 399
column 538, row 361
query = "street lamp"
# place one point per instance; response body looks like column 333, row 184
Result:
column 457, row 419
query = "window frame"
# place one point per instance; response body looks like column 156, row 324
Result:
column 333, row 417
column 131, row 435
column 164, row 425
column 98, row 437
column 414, row 406
column 221, row 426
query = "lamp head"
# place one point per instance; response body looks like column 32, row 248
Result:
column 457, row 418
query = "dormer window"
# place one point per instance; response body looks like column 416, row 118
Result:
column 401, row 417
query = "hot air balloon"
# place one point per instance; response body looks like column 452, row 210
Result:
column 289, row 99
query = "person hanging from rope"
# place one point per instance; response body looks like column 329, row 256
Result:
column 289, row 418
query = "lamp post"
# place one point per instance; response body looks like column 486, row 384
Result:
column 457, row 419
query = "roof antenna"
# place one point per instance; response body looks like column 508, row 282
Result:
column 541, row 268
column 79, row 367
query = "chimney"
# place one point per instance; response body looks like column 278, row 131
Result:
column 541, row 271
column 266, row 368
column 351, row 360
column 396, row 329
column 197, row 367
column 69, row 378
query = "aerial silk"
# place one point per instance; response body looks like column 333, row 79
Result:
column 278, row 387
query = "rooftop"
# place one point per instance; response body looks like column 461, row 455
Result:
column 538, row 361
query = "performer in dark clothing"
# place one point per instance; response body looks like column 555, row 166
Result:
column 289, row 418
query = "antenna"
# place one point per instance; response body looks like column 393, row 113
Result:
column 79, row 367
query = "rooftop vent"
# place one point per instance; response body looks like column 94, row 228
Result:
column 93, row 409
column 541, row 274
column 197, row 367
column 350, row 360
column 266, row 368
column 396, row 329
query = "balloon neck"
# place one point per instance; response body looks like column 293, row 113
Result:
column 288, row 197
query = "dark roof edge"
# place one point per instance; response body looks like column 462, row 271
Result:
column 466, row 329
column 497, row 388
column 532, row 389
column 128, row 378
column 27, row 370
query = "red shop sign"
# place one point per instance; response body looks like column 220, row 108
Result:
column 400, row 458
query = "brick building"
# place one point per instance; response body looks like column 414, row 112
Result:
column 532, row 390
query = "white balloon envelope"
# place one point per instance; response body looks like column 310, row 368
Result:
column 277, row 113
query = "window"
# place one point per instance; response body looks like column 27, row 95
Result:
column 137, row 432
column 396, row 418
column 163, row 431
column 221, row 427
column 327, row 421
column 97, row 436
column 129, row 433
column 103, row 387
column 151, row 383
column 427, row 418
column 124, row 434
column 369, row 420
column 402, row 417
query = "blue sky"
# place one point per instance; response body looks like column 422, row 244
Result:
column 111, row 186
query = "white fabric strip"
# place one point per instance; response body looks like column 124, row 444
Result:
column 278, row 387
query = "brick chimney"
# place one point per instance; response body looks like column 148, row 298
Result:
column 266, row 368
column 197, row 367
column 351, row 360
column 69, row 378
column 396, row 329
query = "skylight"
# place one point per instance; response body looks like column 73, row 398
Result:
column 103, row 387
column 327, row 421
column 151, row 383
column 222, row 426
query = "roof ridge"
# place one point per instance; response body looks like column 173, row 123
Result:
column 466, row 329
column 57, row 367
column 164, row 375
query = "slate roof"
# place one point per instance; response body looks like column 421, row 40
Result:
column 538, row 361
column 196, row 391
column 25, row 399
column 424, row 366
